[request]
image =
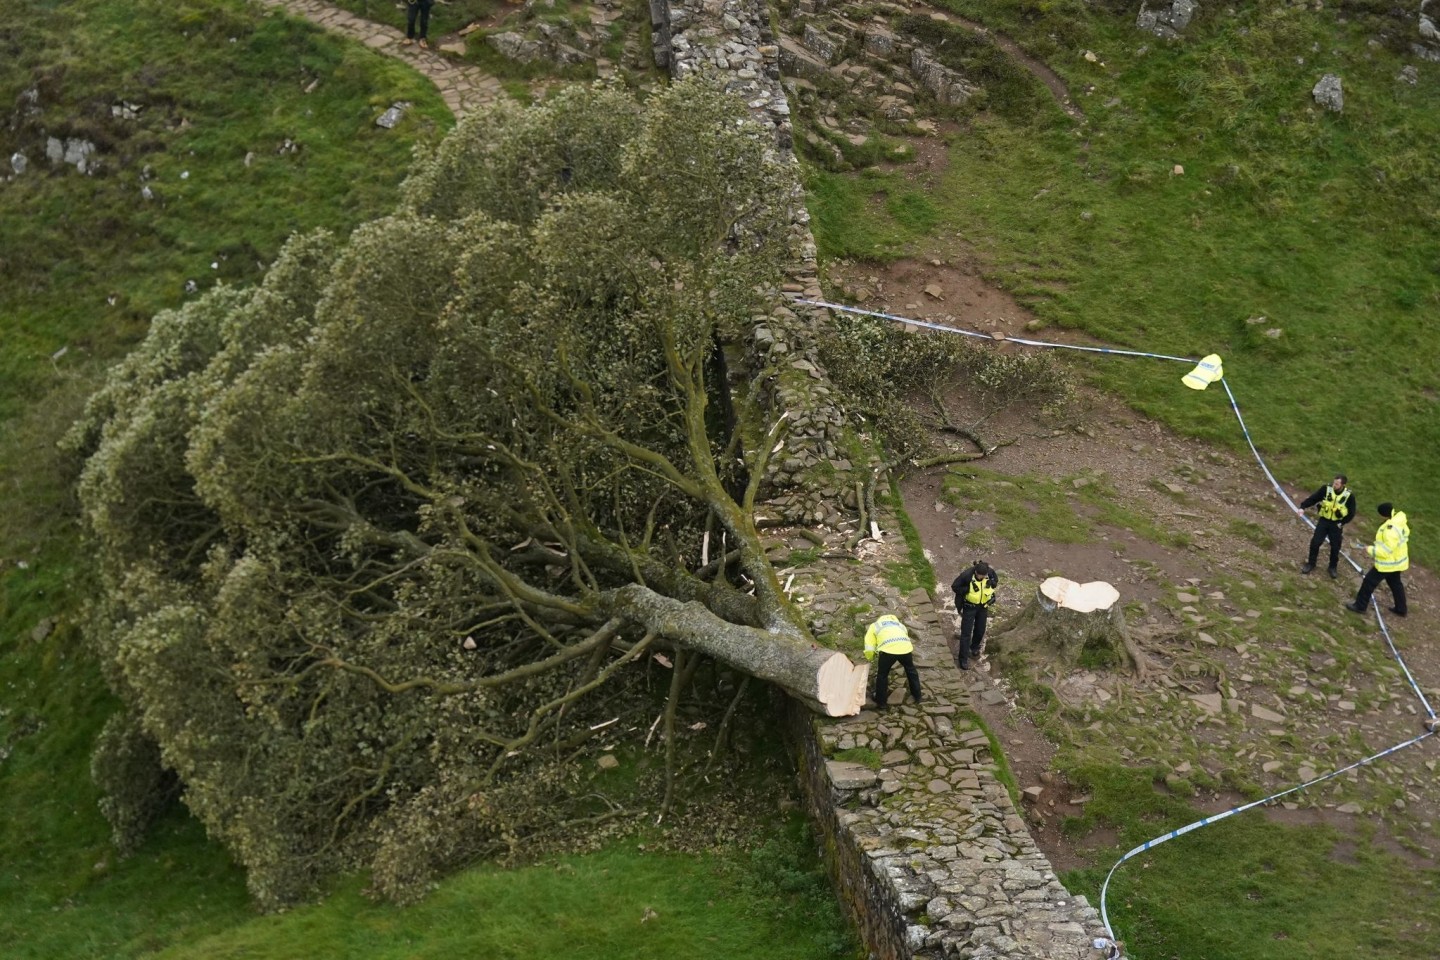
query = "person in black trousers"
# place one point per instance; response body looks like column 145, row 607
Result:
column 974, row 596
column 1337, row 508
column 1391, row 554
column 888, row 639
column 417, row 10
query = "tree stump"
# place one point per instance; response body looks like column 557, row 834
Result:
column 1069, row 624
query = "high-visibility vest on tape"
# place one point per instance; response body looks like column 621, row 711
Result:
column 980, row 592
column 1206, row 372
column 1335, row 506
column 1392, row 545
column 887, row 635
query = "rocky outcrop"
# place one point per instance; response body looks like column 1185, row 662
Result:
column 1428, row 46
column 1168, row 21
column 74, row 151
column 948, row 87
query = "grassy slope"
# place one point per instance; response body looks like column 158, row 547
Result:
column 620, row 904
column 68, row 243
column 1322, row 223
column 1246, row 888
column 71, row 242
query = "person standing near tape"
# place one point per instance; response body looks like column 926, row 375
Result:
column 1337, row 508
column 974, row 596
column 888, row 639
column 1392, row 556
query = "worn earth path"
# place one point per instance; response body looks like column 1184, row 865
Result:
column 1262, row 679
column 464, row 88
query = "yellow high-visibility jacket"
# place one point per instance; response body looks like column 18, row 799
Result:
column 1392, row 545
column 887, row 635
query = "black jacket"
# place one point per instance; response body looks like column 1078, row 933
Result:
column 1351, row 505
column 961, row 586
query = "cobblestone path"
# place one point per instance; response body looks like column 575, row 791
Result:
column 463, row 87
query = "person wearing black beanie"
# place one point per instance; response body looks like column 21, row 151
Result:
column 1391, row 553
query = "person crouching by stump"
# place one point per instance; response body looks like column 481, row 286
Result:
column 974, row 596
column 1391, row 553
column 888, row 638
column 1337, row 508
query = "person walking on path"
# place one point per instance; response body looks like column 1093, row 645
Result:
column 974, row 596
column 888, row 638
column 418, row 10
column 1391, row 553
column 1337, row 508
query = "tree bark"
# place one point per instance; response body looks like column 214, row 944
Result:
column 1065, row 621
column 822, row 679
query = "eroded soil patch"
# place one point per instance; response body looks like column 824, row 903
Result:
column 1261, row 679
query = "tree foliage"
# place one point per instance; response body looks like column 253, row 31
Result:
column 884, row 371
column 374, row 536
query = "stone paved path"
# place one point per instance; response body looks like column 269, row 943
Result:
column 952, row 870
column 463, row 87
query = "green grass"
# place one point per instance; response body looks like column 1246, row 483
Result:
column 1323, row 224
column 85, row 261
column 70, row 245
column 1247, row 888
column 864, row 756
column 1025, row 507
column 918, row 572
column 870, row 216
column 623, row 902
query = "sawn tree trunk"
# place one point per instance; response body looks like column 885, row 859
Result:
column 1065, row 622
column 823, row 679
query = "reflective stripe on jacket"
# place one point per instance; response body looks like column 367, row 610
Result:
column 1392, row 545
column 1335, row 506
column 980, row 592
column 887, row 635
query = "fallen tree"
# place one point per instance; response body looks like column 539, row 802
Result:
column 375, row 537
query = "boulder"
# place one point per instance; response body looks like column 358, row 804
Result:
column 1167, row 21
column 1328, row 93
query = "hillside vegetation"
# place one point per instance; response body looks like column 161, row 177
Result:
column 1286, row 217
column 1207, row 204
column 249, row 127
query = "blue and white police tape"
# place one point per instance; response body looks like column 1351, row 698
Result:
column 1379, row 618
column 1111, row 946
column 1234, row 406
column 1207, row 821
column 985, row 336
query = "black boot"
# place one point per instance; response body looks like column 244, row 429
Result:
column 1309, row 565
column 1334, row 574
column 1354, row 607
column 963, row 663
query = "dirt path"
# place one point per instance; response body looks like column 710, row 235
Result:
column 1264, row 679
column 463, row 87
column 1037, row 68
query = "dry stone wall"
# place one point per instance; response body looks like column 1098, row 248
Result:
column 929, row 853
column 926, row 846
